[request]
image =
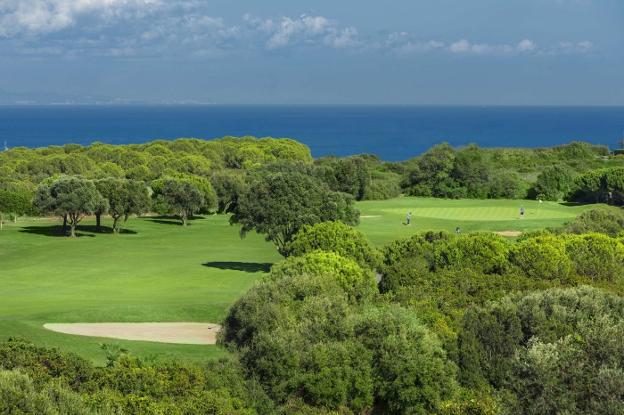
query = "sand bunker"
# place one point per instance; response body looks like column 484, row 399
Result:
column 179, row 333
column 509, row 234
column 369, row 216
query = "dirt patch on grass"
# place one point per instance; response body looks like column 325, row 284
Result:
column 509, row 234
column 179, row 333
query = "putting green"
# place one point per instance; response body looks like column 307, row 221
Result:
column 384, row 221
column 492, row 213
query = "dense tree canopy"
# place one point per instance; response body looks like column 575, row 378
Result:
column 551, row 349
column 280, row 204
column 14, row 202
column 305, row 336
column 335, row 237
column 124, row 197
column 180, row 197
column 69, row 197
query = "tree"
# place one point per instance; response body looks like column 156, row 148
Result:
column 542, row 257
column 472, row 171
column 280, row 204
column 356, row 282
column 13, row 203
column 228, row 185
column 555, row 182
column 125, row 198
column 431, row 174
column 335, row 237
column 178, row 196
column 69, row 197
column 412, row 372
column 484, row 252
column 596, row 256
column 101, row 208
column 555, row 351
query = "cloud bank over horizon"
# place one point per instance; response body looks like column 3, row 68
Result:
column 279, row 51
column 125, row 28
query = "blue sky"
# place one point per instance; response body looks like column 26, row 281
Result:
column 444, row 52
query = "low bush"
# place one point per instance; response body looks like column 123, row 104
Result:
column 609, row 221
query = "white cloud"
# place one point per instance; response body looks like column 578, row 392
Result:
column 461, row 46
column 526, row 45
column 464, row 46
column 402, row 43
column 125, row 28
column 304, row 30
column 46, row 16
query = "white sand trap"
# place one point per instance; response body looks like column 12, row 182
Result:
column 180, row 333
column 369, row 216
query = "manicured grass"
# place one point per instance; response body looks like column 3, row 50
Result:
column 384, row 221
column 159, row 272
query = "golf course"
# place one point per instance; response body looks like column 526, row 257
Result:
column 159, row 271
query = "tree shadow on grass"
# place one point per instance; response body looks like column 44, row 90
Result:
column 103, row 229
column 171, row 220
column 240, row 266
column 54, row 231
column 81, row 231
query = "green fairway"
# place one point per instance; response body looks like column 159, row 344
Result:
column 157, row 273
column 384, row 221
column 160, row 271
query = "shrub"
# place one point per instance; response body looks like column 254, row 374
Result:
column 355, row 281
column 335, row 237
column 19, row 395
column 596, row 256
column 542, row 257
column 494, row 335
column 412, row 372
column 484, row 252
column 609, row 221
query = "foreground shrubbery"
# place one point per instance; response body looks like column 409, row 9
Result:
column 609, row 221
column 35, row 380
column 306, row 337
column 556, row 351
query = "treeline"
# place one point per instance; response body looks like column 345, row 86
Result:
column 215, row 173
column 474, row 172
column 576, row 171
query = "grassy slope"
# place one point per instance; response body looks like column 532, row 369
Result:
column 384, row 221
column 157, row 273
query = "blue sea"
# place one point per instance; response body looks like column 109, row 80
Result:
column 391, row 132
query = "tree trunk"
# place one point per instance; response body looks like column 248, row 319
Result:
column 116, row 225
column 65, row 224
column 72, row 230
column 98, row 221
column 184, row 218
